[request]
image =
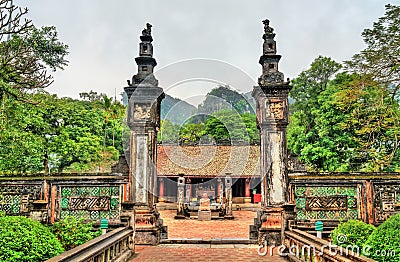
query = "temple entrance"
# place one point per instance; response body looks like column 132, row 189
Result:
column 212, row 179
column 190, row 226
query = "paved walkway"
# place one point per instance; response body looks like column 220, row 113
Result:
column 201, row 253
column 192, row 228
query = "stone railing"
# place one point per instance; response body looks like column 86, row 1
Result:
column 330, row 197
column 304, row 247
column 116, row 246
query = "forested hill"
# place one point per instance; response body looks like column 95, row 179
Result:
column 223, row 97
column 176, row 110
column 220, row 98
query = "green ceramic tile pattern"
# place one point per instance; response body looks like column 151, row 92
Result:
column 10, row 204
column 90, row 196
column 302, row 192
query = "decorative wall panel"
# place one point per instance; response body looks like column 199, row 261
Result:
column 387, row 201
column 326, row 202
column 90, row 202
column 16, row 199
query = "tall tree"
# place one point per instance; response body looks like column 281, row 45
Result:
column 381, row 57
column 307, row 88
column 26, row 53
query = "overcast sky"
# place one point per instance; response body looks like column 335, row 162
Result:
column 103, row 38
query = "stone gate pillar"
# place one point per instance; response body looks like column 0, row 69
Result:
column 145, row 97
column 272, row 110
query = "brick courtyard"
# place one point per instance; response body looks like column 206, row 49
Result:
column 201, row 253
column 191, row 228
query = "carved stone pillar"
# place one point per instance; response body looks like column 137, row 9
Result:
column 228, row 196
column 272, row 108
column 143, row 120
column 220, row 191
column 188, row 194
column 180, row 198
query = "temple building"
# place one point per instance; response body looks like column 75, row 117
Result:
column 204, row 169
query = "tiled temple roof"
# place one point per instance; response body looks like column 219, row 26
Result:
column 208, row 160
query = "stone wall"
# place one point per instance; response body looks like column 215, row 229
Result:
column 371, row 197
column 50, row 198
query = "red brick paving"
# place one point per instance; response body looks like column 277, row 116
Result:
column 191, row 228
column 201, row 253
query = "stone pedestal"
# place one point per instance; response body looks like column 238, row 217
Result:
column 39, row 211
column 149, row 226
column 204, row 215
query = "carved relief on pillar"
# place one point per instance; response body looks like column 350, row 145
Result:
column 275, row 109
column 142, row 111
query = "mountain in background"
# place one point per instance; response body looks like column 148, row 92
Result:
column 223, row 97
column 176, row 110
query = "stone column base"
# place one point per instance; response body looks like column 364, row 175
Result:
column 149, row 228
column 271, row 223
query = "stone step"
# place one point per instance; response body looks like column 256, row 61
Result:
column 212, row 241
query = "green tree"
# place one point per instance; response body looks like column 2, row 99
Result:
column 58, row 134
column 372, row 117
column 381, row 57
column 169, row 132
column 191, row 132
column 303, row 134
column 27, row 54
column 228, row 125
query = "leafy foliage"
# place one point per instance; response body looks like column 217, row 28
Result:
column 59, row 134
column 356, row 232
column 385, row 241
column 305, row 137
column 27, row 53
column 224, row 98
column 25, row 240
column 351, row 124
column 381, row 58
column 72, row 232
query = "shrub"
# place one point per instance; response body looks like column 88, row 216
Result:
column 23, row 239
column 384, row 242
column 73, row 232
column 352, row 232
